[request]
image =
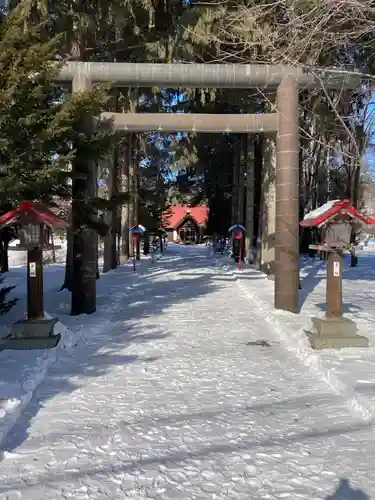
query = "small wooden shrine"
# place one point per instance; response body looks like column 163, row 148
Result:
column 336, row 221
column 35, row 223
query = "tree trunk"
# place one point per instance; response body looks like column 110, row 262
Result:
column 115, row 210
column 241, row 178
column 83, row 299
column 110, row 240
column 107, row 239
column 146, row 244
column 4, row 256
column 97, row 274
column 249, row 239
column 258, row 178
column 241, row 188
column 125, row 207
column 133, row 152
column 97, row 257
column 236, row 178
column 131, row 220
column 68, row 277
column 136, row 194
column 53, row 248
column 268, row 210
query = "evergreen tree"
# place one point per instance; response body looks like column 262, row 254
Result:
column 38, row 121
column 42, row 128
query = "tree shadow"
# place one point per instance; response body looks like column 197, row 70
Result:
column 347, row 307
column 310, row 280
column 226, row 277
column 179, row 419
column 345, row 492
column 365, row 271
column 200, row 452
column 108, row 332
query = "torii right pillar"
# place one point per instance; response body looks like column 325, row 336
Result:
column 287, row 197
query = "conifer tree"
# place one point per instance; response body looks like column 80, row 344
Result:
column 40, row 133
column 37, row 121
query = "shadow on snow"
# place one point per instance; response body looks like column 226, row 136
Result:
column 346, row 492
column 125, row 298
column 184, row 457
column 313, row 275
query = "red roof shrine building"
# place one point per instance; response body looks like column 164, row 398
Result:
column 185, row 224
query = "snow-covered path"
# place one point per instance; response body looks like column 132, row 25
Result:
column 170, row 401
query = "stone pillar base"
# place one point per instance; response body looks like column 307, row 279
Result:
column 27, row 334
column 335, row 333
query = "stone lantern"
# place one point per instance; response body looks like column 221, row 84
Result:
column 35, row 222
column 336, row 220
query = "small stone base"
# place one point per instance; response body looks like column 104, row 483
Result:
column 27, row 335
column 28, row 343
column 36, row 328
column 335, row 333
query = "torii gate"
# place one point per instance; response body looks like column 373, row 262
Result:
column 286, row 80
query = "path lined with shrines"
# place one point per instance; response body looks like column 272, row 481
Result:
column 168, row 401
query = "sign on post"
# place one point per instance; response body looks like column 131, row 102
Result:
column 32, row 269
column 336, row 269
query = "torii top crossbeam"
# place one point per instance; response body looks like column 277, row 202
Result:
column 202, row 75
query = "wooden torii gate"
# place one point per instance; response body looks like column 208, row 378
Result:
column 286, row 80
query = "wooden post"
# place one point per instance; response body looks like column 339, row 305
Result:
column 240, row 252
column 334, row 285
column 35, row 302
column 138, row 249
column 53, row 248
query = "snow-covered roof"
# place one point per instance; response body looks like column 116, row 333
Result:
column 175, row 215
column 321, row 210
column 138, row 228
column 323, row 213
column 236, row 228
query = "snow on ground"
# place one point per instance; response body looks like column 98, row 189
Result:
column 22, row 371
column 170, row 397
column 350, row 370
column 18, row 257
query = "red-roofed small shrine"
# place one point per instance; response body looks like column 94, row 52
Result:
column 184, row 223
column 336, row 220
column 35, row 222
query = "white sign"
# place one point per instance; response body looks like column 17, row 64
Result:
column 32, row 269
column 336, row 269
